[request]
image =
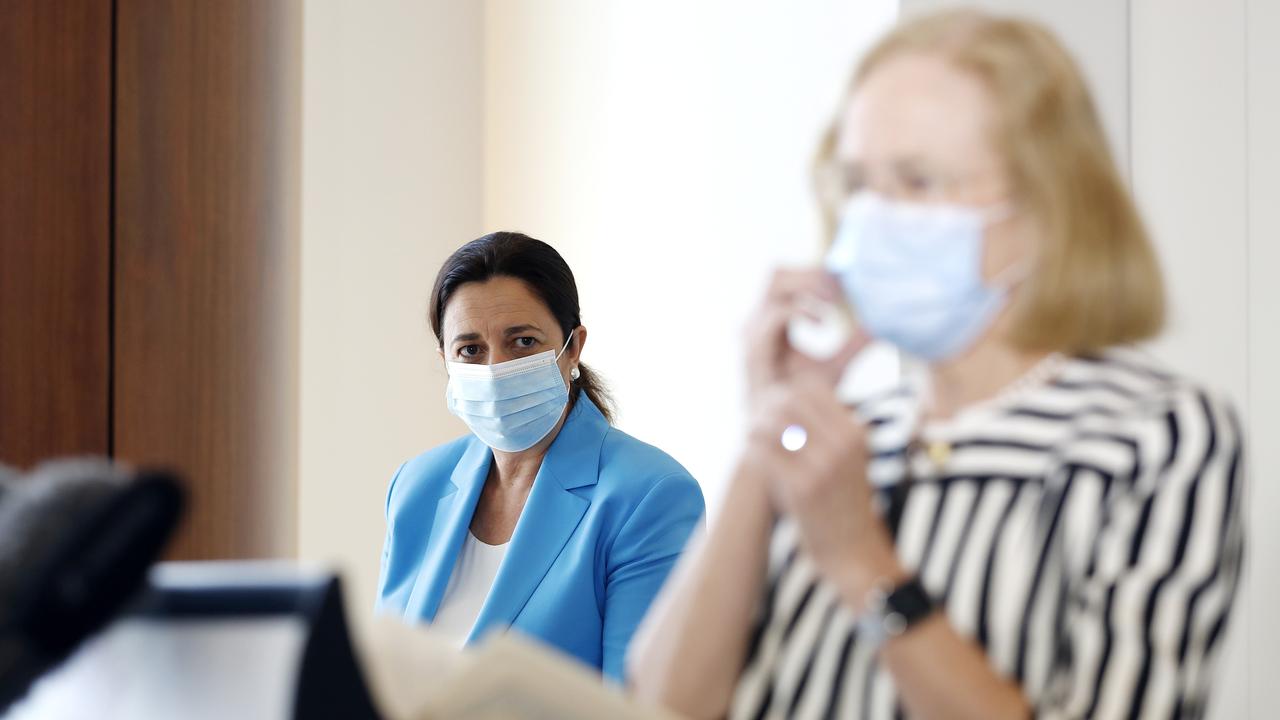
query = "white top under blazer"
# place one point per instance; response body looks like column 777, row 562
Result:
column 469, row 585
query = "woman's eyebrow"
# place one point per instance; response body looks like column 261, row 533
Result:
column 517, row 329
column 911, row 163
column 467, row 337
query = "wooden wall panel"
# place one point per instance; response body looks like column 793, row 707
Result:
column 206, row 222
column 55, row 154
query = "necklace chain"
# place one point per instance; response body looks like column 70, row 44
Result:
column 939, row 451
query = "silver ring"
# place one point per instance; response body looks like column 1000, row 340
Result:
column 794, row 437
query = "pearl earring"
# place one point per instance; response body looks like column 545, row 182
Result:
column 574, row 373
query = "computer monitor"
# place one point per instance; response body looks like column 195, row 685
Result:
column 215, row 640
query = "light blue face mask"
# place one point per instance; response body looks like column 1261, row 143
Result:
column 913, row 273
column 511, row 406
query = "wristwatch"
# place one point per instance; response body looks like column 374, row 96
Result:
column 892, row 611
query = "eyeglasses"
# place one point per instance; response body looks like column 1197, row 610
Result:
column 908, row 179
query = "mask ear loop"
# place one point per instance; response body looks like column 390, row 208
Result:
column 1012, row 275
column 566, row 344
column 997, row 213
column 574, row 372
column 1007, row 278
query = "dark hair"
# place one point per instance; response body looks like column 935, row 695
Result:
column 539, row 266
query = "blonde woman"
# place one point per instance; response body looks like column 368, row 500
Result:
column 1048, row 523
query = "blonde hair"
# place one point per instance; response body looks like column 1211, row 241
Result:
column 1097, row 281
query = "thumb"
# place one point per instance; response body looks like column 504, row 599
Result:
column 857, row 342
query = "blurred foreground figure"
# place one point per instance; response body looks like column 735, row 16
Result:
column 1043, row 521
column 76, row 539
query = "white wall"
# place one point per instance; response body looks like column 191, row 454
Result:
column 391, row 184
column 1205, row 108
column 1262, row 261
column 663, row 147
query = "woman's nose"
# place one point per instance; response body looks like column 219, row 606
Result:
column 500, row 356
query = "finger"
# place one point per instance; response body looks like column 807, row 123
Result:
column 768, row 339
column 827, row 408
column 831, row 369
column 812, row 307
column 853, row 347
column 832, row 430
column 766, row 344
column 798, row 293
column 792, row 308
column 770, row 412
column 782, row 408
column 772, row 318
column 781, row 466
column 777, row 413
column 783, row 404
column 827, row 421
column 788, row 283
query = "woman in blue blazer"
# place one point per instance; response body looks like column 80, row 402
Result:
column 546, row 518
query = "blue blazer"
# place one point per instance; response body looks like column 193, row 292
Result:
column 604, row 523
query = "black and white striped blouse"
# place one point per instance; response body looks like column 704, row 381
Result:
column 1083, row 528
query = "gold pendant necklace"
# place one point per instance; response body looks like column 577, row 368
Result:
column 939, row 451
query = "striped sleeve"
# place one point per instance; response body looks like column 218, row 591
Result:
column 1149, row 584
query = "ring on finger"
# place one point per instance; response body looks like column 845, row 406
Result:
column 794, row 437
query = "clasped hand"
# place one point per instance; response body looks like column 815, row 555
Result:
column 822, row 484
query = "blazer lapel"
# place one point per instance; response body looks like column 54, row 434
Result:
column 550, row 516
column 452, row 518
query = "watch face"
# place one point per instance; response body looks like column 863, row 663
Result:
column 911, row 602
column 893, row 614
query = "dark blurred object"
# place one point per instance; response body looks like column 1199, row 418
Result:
column 328, row 682
column 212, row 640
column 76, row 540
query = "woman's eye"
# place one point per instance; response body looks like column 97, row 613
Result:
column 852, row 182
column 469, row 351
column 525, row 343
column 920, row 184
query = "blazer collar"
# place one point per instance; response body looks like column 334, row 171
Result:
column 453, row 513
column 549, row 517
column 573, row 459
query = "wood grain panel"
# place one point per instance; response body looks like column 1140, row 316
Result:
column 207, row 174
column 55, row 153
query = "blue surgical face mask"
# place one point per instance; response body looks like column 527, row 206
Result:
column 511, row 406
column 913, row 273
